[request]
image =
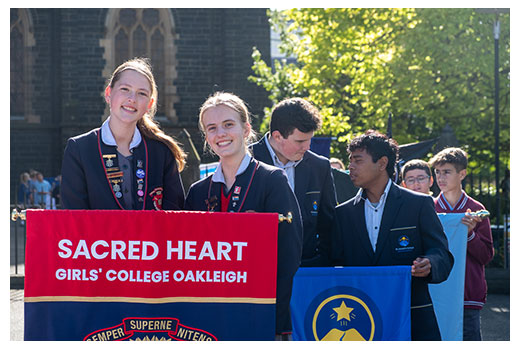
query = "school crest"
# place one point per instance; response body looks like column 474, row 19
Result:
column 157, row 196
column 150, row 329
column 404, row 241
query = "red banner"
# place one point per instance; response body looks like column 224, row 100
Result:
column 192, row 267
column 150, row 254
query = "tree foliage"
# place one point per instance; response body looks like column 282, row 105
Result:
column 428, row 67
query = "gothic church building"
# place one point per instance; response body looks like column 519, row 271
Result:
column 62, row 58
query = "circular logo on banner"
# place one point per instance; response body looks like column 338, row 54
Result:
column 343, row 313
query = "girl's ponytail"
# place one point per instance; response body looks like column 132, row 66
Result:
column 151, row 130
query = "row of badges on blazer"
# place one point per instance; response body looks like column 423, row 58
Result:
column 115, row 176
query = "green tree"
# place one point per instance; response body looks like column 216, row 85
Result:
column 429, row 67
column 446, row 76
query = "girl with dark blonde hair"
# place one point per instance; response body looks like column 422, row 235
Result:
column 243, row 184
column 129, row 162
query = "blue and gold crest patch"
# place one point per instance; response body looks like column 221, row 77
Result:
column 343, row 313
column 404, row 241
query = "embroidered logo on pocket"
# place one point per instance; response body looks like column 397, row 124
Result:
column 403, row 243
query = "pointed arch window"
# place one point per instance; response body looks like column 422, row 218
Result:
column 145, row 33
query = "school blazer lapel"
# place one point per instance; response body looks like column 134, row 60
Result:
column 301, row 179
column 392, row 207
column 213, row 196
column 241, row 187
column 261, row 152
column 360, row 228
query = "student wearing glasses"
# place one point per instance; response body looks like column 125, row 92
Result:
column 417, row 176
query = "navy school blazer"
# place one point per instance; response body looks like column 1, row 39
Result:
column 410, row 228
column 314, row 189
column 85, row 184
column 268, row 191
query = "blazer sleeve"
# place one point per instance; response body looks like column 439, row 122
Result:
column 74, row 192
column 435, row 243
column 173, row 198
column 480, row 243
column 325, row 222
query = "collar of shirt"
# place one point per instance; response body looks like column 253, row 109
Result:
column 361, row 194
column 108, row 137
column 274, row 157
column 443, row 202
column 218, row 176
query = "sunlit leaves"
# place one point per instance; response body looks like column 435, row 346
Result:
column 428, row 67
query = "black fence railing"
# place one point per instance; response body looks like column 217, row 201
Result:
column 17, row 239
column 483, row 188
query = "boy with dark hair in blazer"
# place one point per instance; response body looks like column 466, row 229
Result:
column 286, row 146
column 385, row 224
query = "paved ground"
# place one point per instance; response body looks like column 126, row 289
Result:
column 16, row 315
column 495, row 316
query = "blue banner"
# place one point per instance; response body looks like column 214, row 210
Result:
column 448, row 296
column 351, row 303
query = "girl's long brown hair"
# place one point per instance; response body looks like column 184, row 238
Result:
column 147, row 125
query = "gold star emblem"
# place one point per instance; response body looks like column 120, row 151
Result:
column 343, row 311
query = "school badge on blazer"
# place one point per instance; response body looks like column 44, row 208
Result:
column 343, row 313
column 314, row 211
column 157, row 196
column 404, row 243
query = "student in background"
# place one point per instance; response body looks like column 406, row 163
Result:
column 287, row 146
column 336, row 163
column 450, row 169
column 417, row 176
column 345, row 189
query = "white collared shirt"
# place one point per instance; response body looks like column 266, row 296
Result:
column 109, row 139
column 373, row 213
column 218, row 175
column 289, row 168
